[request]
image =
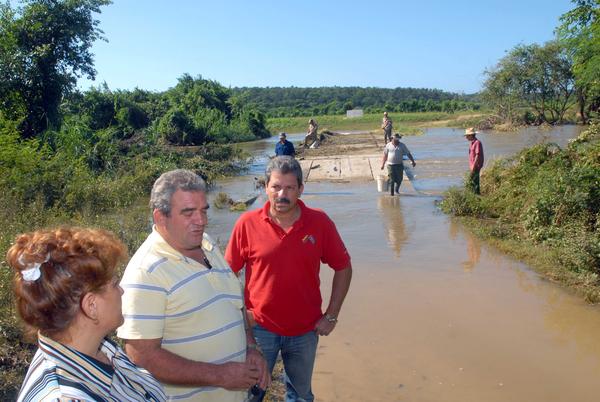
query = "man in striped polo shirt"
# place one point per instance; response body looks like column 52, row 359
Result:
column 183, row 306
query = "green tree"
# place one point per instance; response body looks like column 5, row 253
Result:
column 531, row 75
column 44, row 47
column 580, row 31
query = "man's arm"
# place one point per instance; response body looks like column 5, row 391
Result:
column 254, row 354
column 478, row 159
column 385, row 156
column 170, row 368
column 411, row 158
column 339, row 289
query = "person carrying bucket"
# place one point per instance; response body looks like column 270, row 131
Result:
column 393, row 154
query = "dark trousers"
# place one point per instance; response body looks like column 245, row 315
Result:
column 473, row 183
column 396, row 174
column 387, row 136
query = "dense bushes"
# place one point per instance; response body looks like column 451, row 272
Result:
column 547, row 197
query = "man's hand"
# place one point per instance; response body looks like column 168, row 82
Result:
column 255, row 358
column 413, row 163
column 238, row 376
column 382, row 167
column 324, row 327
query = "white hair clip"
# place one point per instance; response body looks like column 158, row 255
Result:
column 32, row 272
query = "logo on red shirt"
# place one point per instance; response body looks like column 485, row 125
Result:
column 309, row 238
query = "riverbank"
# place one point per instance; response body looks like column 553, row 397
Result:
column 542, row 207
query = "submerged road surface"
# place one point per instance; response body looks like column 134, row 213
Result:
column 433, row 314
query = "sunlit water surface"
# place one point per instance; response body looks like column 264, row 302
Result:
column 433, row 314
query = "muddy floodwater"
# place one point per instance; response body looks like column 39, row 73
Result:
column 434, row 314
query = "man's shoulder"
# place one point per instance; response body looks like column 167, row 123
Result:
column 147, row 259
column 316, row 213
column 254, row 215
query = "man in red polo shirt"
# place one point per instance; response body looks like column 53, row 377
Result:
column 282, row 246
column 475, row 159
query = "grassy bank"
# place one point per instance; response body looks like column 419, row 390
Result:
column 404, row 122
column 543, row 207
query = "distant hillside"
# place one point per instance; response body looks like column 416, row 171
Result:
column 293, row 101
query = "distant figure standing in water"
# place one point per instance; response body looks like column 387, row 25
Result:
column 393, row 153
column 386, row 126
column 475, row 159
column 311, row 139
column 284, row 147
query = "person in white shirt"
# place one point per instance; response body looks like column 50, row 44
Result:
column 393, row 153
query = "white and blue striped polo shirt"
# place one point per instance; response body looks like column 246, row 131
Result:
column 196, row 311
column 61, row 373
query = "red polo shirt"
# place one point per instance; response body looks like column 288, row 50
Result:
column 475, row 155
column 282, row 269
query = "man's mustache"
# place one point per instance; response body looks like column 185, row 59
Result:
column 282, row 200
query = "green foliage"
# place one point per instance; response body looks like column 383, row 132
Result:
column 177, row 128
column 461, row 202
column 544, row 196
column 45, row 46
column 580, row 31
column 293, row 102
column 539, row 77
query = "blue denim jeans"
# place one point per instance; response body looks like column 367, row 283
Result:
column 298, row 355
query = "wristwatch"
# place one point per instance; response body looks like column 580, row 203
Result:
column 330, row 318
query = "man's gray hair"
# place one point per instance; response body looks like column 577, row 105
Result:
column 168, row 183
column 284, row 165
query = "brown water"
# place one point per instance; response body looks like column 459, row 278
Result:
column 433, row 314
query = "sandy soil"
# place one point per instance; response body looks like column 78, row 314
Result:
column 340, row 145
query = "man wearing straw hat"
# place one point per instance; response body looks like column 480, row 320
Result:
column 393, row 154
column 475, row 159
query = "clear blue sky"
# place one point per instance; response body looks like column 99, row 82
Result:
column 422, row 44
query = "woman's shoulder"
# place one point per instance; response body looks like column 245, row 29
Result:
column 45, row 382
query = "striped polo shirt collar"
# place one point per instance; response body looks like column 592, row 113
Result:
column 71, row 360
column 161, row 247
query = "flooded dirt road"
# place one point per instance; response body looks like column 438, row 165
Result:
column 433, row 314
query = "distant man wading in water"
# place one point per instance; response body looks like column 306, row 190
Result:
column 393, row 153
column 475, row 159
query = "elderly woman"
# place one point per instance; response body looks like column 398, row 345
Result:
column 67, row 291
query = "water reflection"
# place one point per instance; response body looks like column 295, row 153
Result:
column 473, row 245
column 393, row 220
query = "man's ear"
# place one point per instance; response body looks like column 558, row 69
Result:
column 158, row 217
column 301, row 189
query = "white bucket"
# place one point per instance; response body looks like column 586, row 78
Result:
column 382, row 183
